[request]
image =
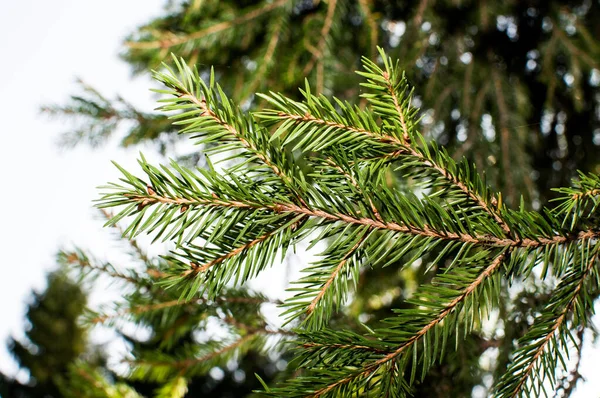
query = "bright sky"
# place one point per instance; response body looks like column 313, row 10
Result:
column 47, row 194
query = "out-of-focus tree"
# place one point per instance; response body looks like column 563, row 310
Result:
column 511, row 86
column 54, row 339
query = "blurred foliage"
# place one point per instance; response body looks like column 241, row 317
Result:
column 512, row 86
column 55, row 339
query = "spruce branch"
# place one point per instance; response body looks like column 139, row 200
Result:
column 313, row 170
column 568, row 383
column 317, row 52
column 141, row 309
column 540, row 347
column 210, row 200
column 375, row 366
column 580, row 202
column 323, row 290
column 140, row 253
column 78, row 258
column 185, row 364
column 365, row 7
column 267, row 61
column 190, row 93
column 251, row 14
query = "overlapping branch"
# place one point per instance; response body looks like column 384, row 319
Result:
column 415, row 337
column 211, row 30
column 220, row 218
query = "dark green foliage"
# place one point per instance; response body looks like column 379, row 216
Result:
column 55, row 339
column 186, row 340
column 230, row 222
column 525, row 73
column 377, row 183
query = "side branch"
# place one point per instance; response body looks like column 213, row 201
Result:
column 460, row 185
column 403, row 148
column 198, row 269
column 368, row 370
column 187, row 363
column 205, row 110
column 560, row 320
column 308, row 118
column 176, row 303
column 317, row 53
column 426, row 231
column 313, row 304
column 398, row 108
column 216, row 28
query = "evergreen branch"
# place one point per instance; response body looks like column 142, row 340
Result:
column 365, row 6
column 569, row 382
column 549, row 331
column 394, row 88
column 573, row 49
column 356, row 186
column 317, row 53
column 395, row 99
column 323, row 290
column 310, row 119
column 371, row 368
column 79, row 258
column 425, row 231
column 103, row 388
column 205, row 109
column 453, row 179
column 580, row 202
column 211, row 30
column 223, row 113
column 183, row 365
column 319, row 126
column 141, row 309
column 141, row 253
column 504, row 135
column 253, row 329
column 267, row 60
column 198, row 269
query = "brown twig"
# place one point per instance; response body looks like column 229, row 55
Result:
column 267, row 61
column 557, row 324
column 317, row 52
column 313, row 304
column 365, row 6
column 425, row 230
column 449, row 308
column 504, row 135
column 213, row 29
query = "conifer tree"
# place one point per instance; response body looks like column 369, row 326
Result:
column 509, row 85
column 55, row 339
column 356, row 192
column 173, row 328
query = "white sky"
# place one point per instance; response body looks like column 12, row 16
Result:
column 46, row 195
